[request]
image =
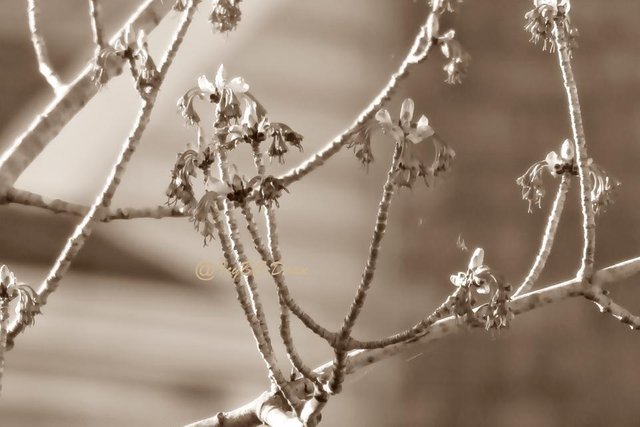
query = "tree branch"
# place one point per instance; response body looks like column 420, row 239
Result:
column 66, row 105
column 44, row 63
column 27, row 198
column 359, row 359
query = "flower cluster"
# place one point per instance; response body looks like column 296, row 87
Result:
column 482, row 280
column 458, row 59
column 131, row 46
column 360, row 142
column 225, row 15
column 238, row 119
column 414, row 155
column 602, row 185
column 540, row 23
column 28, row 303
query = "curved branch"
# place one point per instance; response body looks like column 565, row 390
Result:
column 547, row 238
column 579, row 140
column 44, row 63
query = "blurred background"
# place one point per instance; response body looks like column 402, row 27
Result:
column 133, row 338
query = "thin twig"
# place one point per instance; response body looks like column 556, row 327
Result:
column 416, row 55
column 44, row 63
column 547, row 239
column 46, row 126
column 83, row 229
column 359, row 359
column 4, row 323
column 369, row 270
column 236, row 260
column 264, row 347
column 588, row 216
column 27, row 198
column 96, row 26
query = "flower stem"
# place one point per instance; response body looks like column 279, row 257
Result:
column 588, row 224
column 4, row 324
column 335, row 383
column 548, row 238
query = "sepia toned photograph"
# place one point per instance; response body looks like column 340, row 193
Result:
column 286, row 213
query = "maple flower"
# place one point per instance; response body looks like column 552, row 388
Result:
column 414, row 152
column 459, row 59
column 225, row 15
column 540, row 20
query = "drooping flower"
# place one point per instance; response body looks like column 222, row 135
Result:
column 180, row 187
column 602, row 185
column 251, row 129
column 240, row 188
column 269, row 191
column 203, row 215
column 227, row 95
column 540, row 20
column 458, row 64
column 131, row 46
column 281, row 137
column 360, row 141
column 415, row 154
column 28, row 302
column 225, row 15
column 483, row 280
column 602, row 188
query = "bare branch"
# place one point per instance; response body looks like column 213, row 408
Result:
column 27, row 198
column 44, row 63
column 369, row 270
column 416, row 55
column 61, row 110
column 359, row 359
column 83, row 230
column 582, row 158
column 96, row 26
column 547, row 239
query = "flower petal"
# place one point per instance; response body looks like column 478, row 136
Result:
column 476, row 259
column 384, row 118
column 238, row 85
column 567, row 152
column 220, row 77
column 206, row 85
column 406, row 112
column 552, row 159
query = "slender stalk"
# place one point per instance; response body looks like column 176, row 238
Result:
column 236, row 260
column 264, row 347
column 84, row 228
column 547, row 239
column 4, row 323
column 360, row 359
column 27, row 198
column 369, row 270
column 96, row 26
column 46, row 126
column 588, row 217
column 44, row 63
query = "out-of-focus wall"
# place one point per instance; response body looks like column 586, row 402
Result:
column 134, row 338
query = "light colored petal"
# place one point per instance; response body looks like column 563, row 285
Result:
column 238, row 85
column 423, row 130
column 406, row 112
column 567, row 152
column 384, row 118
column 477, row 259
column 220, row 77
column 552, row 159
column 206, row 85
column 457, row 279
column 483, row 289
